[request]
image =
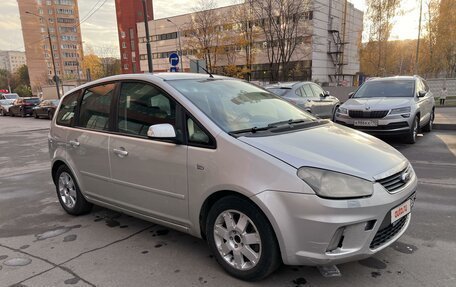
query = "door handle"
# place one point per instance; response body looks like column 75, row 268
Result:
column 74, row 143
column 121, row 152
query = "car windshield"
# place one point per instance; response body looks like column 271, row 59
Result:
column 387, row 88
column 279, row 91
column 33, row 101
column 236, row 105
column 6, row 102
column 11, row 96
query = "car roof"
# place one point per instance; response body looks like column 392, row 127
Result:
column 286, row 85
column 395, row 78
column 149, row 76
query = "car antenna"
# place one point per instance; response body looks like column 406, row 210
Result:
column 204, row 69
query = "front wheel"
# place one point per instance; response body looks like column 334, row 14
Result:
column 35, row 115
column 69, row 194
column 413, row 133
column 242, row 239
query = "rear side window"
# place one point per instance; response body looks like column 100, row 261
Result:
column 142, row 105
column 65, row 115
column 96, row 106
column 307, row 91
column 318, row 92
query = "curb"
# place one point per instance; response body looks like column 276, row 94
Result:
column 444, row 127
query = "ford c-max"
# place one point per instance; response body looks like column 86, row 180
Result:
column 261, row 180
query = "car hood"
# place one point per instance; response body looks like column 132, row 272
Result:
column 383, row 103
column 332, row 147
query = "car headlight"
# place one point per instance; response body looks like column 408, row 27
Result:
column 404, row 110
column 331, row 184
column 343, row 111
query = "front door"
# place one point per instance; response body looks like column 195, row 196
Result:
column 150, row 176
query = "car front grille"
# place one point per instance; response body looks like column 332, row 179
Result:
column 396, row 181
column 385, row 234
column 390, row 126
column 367, row 114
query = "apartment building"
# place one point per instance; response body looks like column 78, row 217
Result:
column 129, row 13
column 328, row 52
column 62, row 18
column 12, row 60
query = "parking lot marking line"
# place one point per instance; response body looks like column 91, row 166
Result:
column 63, row 268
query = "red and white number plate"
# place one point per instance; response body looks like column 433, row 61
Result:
column 400, row 211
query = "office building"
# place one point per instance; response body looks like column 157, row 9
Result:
column 328, row 51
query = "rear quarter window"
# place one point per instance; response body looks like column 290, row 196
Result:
column 65, row 115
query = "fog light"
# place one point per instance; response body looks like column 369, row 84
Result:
column 337, row 239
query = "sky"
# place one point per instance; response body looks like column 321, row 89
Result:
column 100, row 31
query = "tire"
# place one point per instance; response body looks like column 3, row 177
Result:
column 11, row 113
column 50, row 115
column 333, row 118
column 412, row 134
column 2, row 113
column 34, row 114
column 428, row 127
column 264, row 251
column 69, row 194
column 23, row 115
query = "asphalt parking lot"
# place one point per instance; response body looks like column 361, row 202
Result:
column 40, row 245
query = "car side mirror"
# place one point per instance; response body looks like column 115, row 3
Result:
column 161, row 131
column 326, row 94
column 351, row 95
column 422, row 94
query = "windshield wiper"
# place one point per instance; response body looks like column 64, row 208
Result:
column 289, row 122
column 251, row 130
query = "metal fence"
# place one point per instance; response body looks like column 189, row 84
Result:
column 436, row 86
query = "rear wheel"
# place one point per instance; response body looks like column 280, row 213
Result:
column 413, row 133
column 2, row 113
column 50, row 115
column 68, row 192
column 242, row 239
column 35, row 115
column 428, row 127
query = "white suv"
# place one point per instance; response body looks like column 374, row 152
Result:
column 390, row 106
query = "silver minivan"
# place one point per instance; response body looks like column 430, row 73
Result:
column 262, row 181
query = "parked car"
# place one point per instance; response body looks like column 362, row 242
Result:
column 308, row 96
column 45, row 109
column 23, row 106
column 261, row 180
column 4, row 107
column 9, row 96
column 390, row 106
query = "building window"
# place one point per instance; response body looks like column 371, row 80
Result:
column 48, row 2
column 132, row 33
column 50, row 11
column 124, row 45
column 125, row 56
column 122, row 34
column 125, row 66
column 40, row 11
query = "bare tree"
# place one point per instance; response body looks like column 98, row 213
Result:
column 380, row 14
column 283, row 23
column 204, row 35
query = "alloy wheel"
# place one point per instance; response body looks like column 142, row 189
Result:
column 237, row 240
column 67, row 190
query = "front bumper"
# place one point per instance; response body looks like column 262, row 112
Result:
column 389, row 125
column 306, row 224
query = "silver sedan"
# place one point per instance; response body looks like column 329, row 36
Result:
column 308, row 96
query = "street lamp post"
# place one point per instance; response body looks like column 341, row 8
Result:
column 146, row 24
column 56, row 78
column 179, row 39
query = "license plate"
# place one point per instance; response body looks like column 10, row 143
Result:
column 400, row 211
column 365, row 123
